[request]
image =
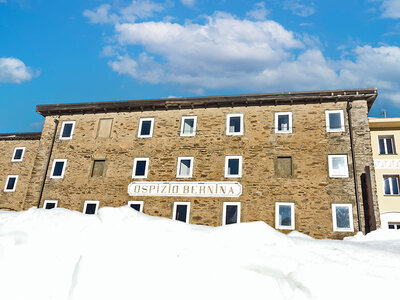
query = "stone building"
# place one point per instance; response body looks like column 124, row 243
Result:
column 283, row 158
column 385, row 137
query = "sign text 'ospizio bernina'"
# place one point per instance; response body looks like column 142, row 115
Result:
column 185, row 189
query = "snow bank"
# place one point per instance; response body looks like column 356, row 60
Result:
column 123, row 254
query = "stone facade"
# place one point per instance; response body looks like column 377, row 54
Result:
column 309, row 187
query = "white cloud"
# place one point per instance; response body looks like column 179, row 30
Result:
column 188, row 3
column 299, row 8
column 259, row 12
column 390, row 8
column 14, row 70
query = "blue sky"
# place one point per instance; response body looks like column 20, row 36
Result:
column 79, row 51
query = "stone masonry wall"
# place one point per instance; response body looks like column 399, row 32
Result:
column 310, row 187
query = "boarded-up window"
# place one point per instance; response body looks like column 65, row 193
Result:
column 105, row 126
column 283, row 166
column 99, row 167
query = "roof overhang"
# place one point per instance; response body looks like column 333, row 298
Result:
column 384, row 123
column 20, row 136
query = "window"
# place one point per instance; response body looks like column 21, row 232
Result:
column 233, row 166
column 394, row 226
column 234, row 124
column 283, row 166
column 104, row 130
column 136, row 205
column 283, row 122
column 338, row 166
column 334, row 120
column 67, row 130
column 386, row 144
column 181, row 211
column 91, row 207
column 284, row 215
column 391, row 185
column 99, row 167
column 49, row 204
column 146, row 128
column 58, row 169
column 342, row 217
column 11, row 183
column 18, row 154
column 231, row 213
column 140, row 167
column 188, row 126
column 185, row 167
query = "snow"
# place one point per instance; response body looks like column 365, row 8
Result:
column 123, row 254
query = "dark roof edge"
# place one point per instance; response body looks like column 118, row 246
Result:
column 210, row 101
column 20, row 136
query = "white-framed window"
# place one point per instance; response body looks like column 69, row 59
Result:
column 233, row 166
column 342, row 217
column 234, row 124
column 18, row 154
column 231, row 213
column 188, row 126
column 136, row 205
column 334, row 120
column 146, row 126
column 338, row 166
column 185, row 167
column 49, row 204
column 11, row 183
column 90, row 207
column 394, row 225
column 386, row 144
column 284, row 215
column 181, row 211
column 140, row 167
column 58, row 168
column 283, row 122
column 391, row 184
column 67, row 130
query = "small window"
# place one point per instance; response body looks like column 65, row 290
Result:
column 136, row 205
column 185, row 167
column 283, row 122
column 105, row 126
column 283, row 166
column 188, row 126
column 338, row 166
column 394, row 226
column 11, row 183
column 18, row 154
column 284, row 215
column 386, row 144
column 342, row 216
column 67, row 130
column 231, row 213
column 49, row 204
column 140, row 167
column 99, row 167
column 233, row 166
column 58, row 169
column 91, row 207
column 234, row 124
column 334, row 120
column 181, row 211
column 391, row 185
column 146, row 127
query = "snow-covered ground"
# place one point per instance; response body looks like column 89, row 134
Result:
column 123, row 254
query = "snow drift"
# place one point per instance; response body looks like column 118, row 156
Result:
column 123, row 254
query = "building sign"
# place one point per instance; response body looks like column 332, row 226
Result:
column 185, row 189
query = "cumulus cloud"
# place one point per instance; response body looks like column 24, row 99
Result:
column 390, row 8
column 14, row 70
column 299, row 8
column 259, row 12
column 188, row 3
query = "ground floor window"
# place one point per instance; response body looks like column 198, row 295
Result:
column 91, row 207
column 284, row 215
column 394, row 225
column 136, row 205
column 342, row 216
column 181, row 211
column 11, row 183
column 231, row 213
column 49, row 204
